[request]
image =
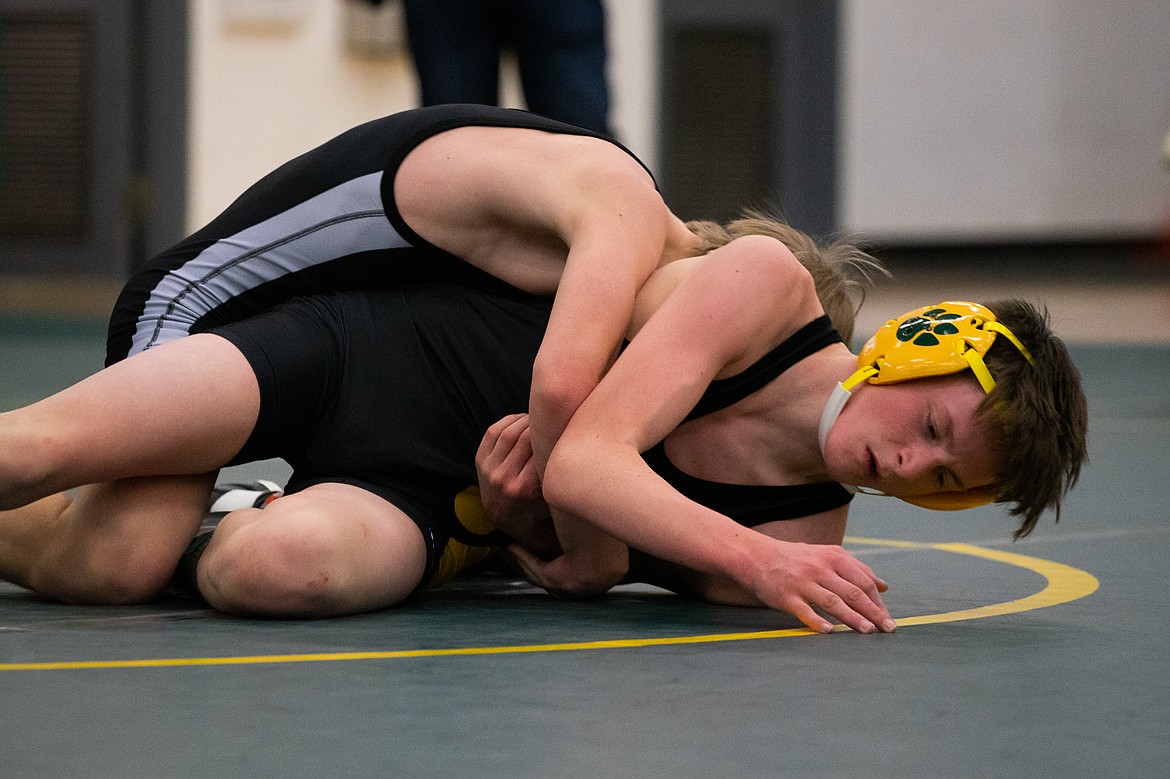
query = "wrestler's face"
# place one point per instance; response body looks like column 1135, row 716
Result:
column 913, row 438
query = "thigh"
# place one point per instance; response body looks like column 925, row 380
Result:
column 180, row 409
column 328, row 550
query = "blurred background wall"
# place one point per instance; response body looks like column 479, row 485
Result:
column 913, row 122
column 272, row 79
column 1004, row 119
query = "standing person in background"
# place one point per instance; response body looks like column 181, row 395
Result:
column 559, row 44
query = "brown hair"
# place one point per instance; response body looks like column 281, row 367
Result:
column 1041, row 412
column 840, row 270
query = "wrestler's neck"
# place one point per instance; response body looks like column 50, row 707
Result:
column 791, row 407
column 771, row 436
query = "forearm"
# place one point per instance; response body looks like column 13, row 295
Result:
column 562, row 378
column 609, row 260
column 548, row 415
column 684, row 581
column 617, row 493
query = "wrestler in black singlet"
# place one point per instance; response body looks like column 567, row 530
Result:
column 325, row 221
column 391, row 390
column 752, row 505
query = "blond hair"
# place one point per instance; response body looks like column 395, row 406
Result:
column 840, row 270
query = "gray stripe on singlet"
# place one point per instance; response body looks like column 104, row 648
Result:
column 345, row 220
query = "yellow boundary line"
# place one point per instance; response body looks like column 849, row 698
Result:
column 1064, row 584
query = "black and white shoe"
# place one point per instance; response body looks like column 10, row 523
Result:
column 226, row 498
column 229, row 497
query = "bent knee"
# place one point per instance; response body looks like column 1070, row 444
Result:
column 287, row 566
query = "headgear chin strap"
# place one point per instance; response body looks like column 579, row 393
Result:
column 938, row 340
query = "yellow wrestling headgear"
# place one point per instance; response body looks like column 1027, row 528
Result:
column 932, row 341
column 937, row 340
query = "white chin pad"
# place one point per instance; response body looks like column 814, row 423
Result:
column 836, row 402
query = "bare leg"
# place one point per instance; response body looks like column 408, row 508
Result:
column 146, row 435
column 116, row 542
column 183, row 408
column 332, row 549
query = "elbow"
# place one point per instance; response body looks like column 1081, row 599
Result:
column 571, row 476
column 583, row 470
column 558, row 389
column 557, row 484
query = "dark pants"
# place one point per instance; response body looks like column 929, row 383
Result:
column 560, row 48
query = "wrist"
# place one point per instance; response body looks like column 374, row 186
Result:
column 750, row 559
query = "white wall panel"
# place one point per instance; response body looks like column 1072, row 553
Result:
column 1004, row 119
column 270, row 79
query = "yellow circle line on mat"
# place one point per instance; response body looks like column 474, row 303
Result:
column 1064, row 584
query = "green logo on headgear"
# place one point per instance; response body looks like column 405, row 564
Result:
column 922, row 330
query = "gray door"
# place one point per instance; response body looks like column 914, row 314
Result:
column 92, row 134
column 749, row 109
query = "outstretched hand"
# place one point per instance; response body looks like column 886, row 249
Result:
column 805, row 579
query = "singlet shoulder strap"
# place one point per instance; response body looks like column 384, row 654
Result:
column 749, row 504
column 721, row 393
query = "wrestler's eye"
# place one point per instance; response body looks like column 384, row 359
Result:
column 931, row 429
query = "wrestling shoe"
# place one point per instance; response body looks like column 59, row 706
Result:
column 226, row 498
column 229, row 497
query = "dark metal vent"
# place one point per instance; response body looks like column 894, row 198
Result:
column 718, row 125
column 44, row 125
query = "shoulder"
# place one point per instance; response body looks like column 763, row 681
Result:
column 514, row 150
column 514, row 172
column 761, row 264
column 763, row 292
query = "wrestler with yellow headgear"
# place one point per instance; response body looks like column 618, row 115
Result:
column 931, row 341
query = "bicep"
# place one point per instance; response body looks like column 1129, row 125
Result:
column 502, row 197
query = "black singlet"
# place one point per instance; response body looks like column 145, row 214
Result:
column 750, row 504
column 324, row 222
